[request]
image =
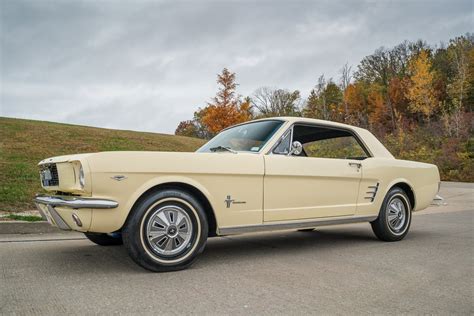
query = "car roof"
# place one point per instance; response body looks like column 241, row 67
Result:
column 294, row 119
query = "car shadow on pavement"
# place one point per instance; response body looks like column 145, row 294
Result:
column 85, row 257
column 294, row 242
column 318, row 243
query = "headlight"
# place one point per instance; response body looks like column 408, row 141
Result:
column 82, row 180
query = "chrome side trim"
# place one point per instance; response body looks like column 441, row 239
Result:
column 74, row 202
column 294, row 225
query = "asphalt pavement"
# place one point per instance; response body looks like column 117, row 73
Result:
column 334, row 270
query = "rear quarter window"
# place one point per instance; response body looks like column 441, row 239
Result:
column 338, row 148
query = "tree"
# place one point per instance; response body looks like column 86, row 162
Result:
column 444, row 74
column 276, row 102
column 459, row 89
column 379, row 113
column 245, row 109
column 316, row 105
column 470, row 83
column 385, row 64
column 346, row 77
column 187, row 128
column 226, row 108
column 355, row 97
column 376, row 67
column 325, row 101
column 421, row 93
column 397, row 95
column 201, row 129
column 194, row 127
column 459, row 52
column 312, row 105
column 334, row 99
column 226, row 96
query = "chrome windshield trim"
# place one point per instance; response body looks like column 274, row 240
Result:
column 75, row 202
column 268, row 142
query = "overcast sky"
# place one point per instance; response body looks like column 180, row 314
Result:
column 146, row 65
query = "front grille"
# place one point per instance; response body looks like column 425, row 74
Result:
column 49, row 175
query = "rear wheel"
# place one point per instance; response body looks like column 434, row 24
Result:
column 105, row 239
column 394, row 217
column 166, row 231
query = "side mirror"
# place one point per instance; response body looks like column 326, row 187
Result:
column 296, row 148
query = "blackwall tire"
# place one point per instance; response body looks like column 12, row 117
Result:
column 166, row 231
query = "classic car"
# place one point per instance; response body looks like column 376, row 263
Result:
column 271, row 174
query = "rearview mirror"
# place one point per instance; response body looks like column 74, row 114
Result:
column 296, row 148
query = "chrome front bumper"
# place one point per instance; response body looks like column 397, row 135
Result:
column 46, row 206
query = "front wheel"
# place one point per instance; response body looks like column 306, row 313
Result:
column 166, row 231
column 394, row 217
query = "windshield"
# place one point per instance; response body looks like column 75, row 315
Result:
column 247, row 137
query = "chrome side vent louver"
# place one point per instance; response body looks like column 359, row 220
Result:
column 372, row 192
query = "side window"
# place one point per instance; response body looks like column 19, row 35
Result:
column 283, row 147
column 323, row 142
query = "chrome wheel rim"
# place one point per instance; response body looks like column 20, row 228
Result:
column 169, row 230
column 396, row 214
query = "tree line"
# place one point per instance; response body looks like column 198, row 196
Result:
column 418, row 99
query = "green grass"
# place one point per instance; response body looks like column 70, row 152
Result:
column 23, row 143
column 26, row 218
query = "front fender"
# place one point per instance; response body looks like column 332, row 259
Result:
column 127, row 192
column 161, row 180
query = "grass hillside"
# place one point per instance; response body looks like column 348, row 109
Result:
column 23, row 143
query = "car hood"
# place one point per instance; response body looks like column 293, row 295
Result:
column 65, row 158
column 170, row 162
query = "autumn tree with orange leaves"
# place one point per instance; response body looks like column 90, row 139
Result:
column 355, row 97
column 226, row 108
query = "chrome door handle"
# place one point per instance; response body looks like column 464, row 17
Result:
column 355, row 164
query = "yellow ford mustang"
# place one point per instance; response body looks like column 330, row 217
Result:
column 270, row 174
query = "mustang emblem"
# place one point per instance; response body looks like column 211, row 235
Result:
column 229, row 201
column 118, row 177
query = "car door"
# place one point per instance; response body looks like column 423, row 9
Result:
column 323, row 181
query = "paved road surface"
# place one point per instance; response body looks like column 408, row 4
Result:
column 339, row 269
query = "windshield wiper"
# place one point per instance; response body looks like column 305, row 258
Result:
column 222, row 148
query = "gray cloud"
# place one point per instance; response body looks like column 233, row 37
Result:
column 146, row 65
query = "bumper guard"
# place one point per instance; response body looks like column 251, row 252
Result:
column 51, row 201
